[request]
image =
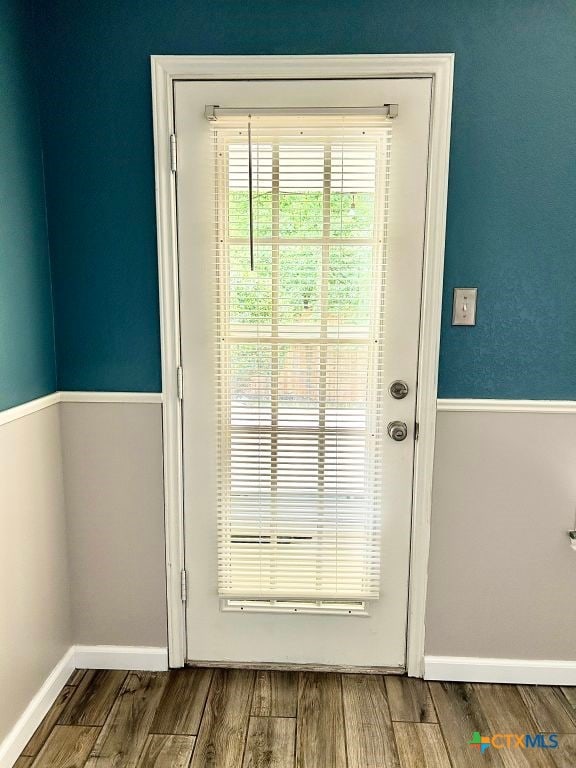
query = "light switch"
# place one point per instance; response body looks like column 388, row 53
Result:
column 464, row 307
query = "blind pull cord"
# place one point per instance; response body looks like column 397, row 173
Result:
column 250, row 202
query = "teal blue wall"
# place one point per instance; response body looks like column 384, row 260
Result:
column 27, row 363
column 512, row 206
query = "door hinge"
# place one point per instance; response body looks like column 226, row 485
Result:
column 173, row 156
column 180, row 382
column 183, row 586
column 416, row 431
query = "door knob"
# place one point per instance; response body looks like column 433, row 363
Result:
column 398, row 430
column 398, row 389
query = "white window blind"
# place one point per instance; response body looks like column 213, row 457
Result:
column 299, row 327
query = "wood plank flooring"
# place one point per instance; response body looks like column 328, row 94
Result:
column 226, row 718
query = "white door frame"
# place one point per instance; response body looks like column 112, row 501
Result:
column 167, row 69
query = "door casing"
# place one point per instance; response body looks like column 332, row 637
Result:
column 166, row 70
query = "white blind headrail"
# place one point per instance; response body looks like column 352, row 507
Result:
column 215, row 112
column 299, row 339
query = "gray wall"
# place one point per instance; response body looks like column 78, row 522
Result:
column 35, row 627
column 82, row 546
column 114, row 500
column 502, row 575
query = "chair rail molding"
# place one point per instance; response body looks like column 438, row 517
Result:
column 110, row 397
column 32, row 406
column 456, row 405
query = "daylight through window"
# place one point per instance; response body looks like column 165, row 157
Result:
column 299, row 343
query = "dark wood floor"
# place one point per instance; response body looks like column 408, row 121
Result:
column 241, row 719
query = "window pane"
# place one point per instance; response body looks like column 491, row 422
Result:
column 301, row 173
column 299, row 296
column 238, row 184
column 349, row 285
column 300, row 214
column 352, row 215
column 250, row 379
column 352, row 185
column 250, row 291
column 238, row 214
column 298, row 385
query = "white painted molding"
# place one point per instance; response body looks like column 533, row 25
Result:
column 506, row 406
column 146, row 658
column 110, row 397
column 172, row 439
column 32, row 406
column 442, row 71
column 453, row 405
column 484, row 670
column 19, row 411
column 288, row 67
column 30, row 719
column 166, row 70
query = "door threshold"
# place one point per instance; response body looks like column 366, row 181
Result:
column 286, row 667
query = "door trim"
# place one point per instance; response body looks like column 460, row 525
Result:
column 167, row 69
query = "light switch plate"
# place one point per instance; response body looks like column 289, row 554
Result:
column 464, row 306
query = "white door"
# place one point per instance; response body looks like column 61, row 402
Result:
column 300, row 241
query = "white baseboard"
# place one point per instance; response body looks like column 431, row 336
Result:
column 128, row 657
column 131, row 657
column 481, row 670
column 30, row 719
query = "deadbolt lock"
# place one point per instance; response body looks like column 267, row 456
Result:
column 398, row 430
column 398, row 389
